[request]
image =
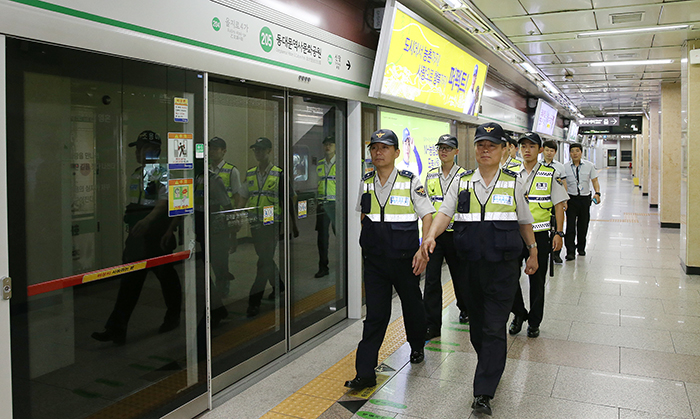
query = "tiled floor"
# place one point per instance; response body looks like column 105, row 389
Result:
column 620, row 339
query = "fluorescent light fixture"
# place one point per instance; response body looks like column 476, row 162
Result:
column 632, row 30
column 455, row 4
column 550, row 86
column 528, row 67
column 625, row 113
column 639, row 62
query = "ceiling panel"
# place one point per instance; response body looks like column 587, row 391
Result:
column 678, row 12
column 576, row 71
column 674, row 38
column 535, row 48
column 625, row 54
column 500, row 8
column 667, row 52
column 591, row 77
column 627, row 41
column 544, row 59
column 575, row 45
column 580, row 57
column 662, row 75
column 516, row 26
column 614, row 3
column 544, row 6
column 675, row 66
column 651, row 16
column 565, row 22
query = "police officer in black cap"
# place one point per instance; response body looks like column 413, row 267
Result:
column 437, row 182
column 390, row 203
column 491, row 220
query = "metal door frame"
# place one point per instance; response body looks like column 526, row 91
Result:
column 5, row 355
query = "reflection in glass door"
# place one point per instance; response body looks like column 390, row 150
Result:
column 106, row 307
column 318, row 291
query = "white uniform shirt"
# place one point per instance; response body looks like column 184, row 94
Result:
column 578, row 178
column 421, row 203
column 558, row 191
column 483, row 192
column 560, row 170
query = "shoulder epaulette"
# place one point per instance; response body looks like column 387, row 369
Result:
column 509, row 172
column 434, row 169
column 368, row 175
column 465, row 173
column 406, row 173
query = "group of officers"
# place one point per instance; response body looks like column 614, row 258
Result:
column 484, row 223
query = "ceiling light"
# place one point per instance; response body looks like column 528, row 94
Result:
column 625, row 113
column 639, row 62
column 632, row 30
column 550, row 86
column 455, row 4
column 528, row 67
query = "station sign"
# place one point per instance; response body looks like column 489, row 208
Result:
column 611, row 121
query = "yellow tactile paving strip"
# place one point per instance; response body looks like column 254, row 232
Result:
column 310, row 401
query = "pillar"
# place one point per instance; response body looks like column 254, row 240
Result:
column 690, row 161
column 670, row 158
column 644, row 175
column 654, row 150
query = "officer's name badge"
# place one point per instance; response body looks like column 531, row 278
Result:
column 269, row 215
column 402, row 201
column 502, row 199
column 541, row 186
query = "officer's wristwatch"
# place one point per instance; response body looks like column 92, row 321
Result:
column 531, row 246
column 560, row 233
column 597, row 193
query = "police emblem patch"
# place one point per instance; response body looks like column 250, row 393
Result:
column 421, row 191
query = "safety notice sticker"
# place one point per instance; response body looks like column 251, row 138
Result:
column 180, row 197
column 180, row 151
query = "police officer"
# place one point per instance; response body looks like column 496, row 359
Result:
column 437, row 182
column 491, row 220
column 231, row 181
column 264, row 192
column 546, row 195
column 390, row 202
column 325, row 210
column 580, row 174
column 510, row 157
column 549, row 151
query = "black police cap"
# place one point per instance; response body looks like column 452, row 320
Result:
column 329, row 139
column 384, row 136
column 217, row 142
column 490, row 131
column 146, row 137
column 262, row 142
column 449, row 140
column 531, row 136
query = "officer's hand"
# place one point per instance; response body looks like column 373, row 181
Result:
column 427, row 247
column 140, row 228
column 419, row 262
column 531, row 264
column 600, row 199
column 556, row 243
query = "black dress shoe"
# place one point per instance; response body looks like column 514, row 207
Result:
column 321, row 273
column 417, row 356
column 557, row 259
column 482, row 404
column 358, row 383
column 516, row 325
column 582, row 253
column 570, row 257
column 109, row 335
column 217, row 315
column 252, row 311
column 463, row 317
column 533, row 332
column 432, row 332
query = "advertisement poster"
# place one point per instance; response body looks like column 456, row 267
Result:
column 180, row 151
column 180, row 197
column 417, row 137
column 423, row 66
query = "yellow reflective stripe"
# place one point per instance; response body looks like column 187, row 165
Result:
column 505, row 184
column 501, row 216
column 467, row 217
column 400, row 218
column 402, row 185
column 541, row 226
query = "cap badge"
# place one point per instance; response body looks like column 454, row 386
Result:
column 380, row 134
column 488, row 129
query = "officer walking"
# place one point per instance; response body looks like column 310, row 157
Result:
column 390, row 203
column 491, row 220
column 510, row 158
column 325, row 210
column 548, row 153
column 580, row 174
column 437, row 182
column 546, row 195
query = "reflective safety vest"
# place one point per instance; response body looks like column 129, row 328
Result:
column 488, row 230
column 264, row 198
column 326, row 181
column 434, row 188
column 540, row 197
column 389, row 228
column 514, row 165
column 225, row 175
column 145, row 184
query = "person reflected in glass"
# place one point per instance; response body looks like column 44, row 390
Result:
column 150, row 235
column 264, row 191
column 325, row 210
column 230, row 178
